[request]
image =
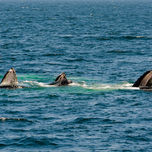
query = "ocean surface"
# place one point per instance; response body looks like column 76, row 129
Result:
column 103, row 47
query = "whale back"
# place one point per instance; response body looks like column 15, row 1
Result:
column 144, row 80
column 9, row 79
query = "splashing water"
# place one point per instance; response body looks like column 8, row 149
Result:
column 83, row 84
column 124, row 86
column 36, row 84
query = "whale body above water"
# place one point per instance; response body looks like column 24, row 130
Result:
column 9, row 80
column 144, row 81
column 61, row 80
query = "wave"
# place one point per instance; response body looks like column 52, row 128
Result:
column 82, row 120
column 123, row 37
column 110, row 37
column 128, row 37
column 14, row 119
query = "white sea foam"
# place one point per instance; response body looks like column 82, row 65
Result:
column 35, row 83
column 121, row 86
column 82, row 84
column 139, row 36
column 124, row 86
column 4, row 118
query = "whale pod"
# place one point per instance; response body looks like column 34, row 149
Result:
column 61, row 80
column 144, row 81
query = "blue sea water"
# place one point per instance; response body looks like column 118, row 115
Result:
column 103, row 46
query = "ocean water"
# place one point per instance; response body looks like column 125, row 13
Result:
column 103, row 46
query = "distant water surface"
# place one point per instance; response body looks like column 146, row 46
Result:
column 103, row 47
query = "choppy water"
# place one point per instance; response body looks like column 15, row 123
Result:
column 103, row 46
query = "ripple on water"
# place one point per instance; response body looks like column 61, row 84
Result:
column 4, row 119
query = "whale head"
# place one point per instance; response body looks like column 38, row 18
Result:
column 9, row 79
column 144, row 80
column 61, row 80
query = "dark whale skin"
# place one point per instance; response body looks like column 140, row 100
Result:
column 61, row 80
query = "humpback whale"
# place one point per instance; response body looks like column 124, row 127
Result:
column 61, row 80
column 144, row 81
column 9, row 80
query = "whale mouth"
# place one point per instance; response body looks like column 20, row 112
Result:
column 144, row 81
column 9, row 80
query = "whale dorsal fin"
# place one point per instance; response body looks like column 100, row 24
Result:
column 10, row 78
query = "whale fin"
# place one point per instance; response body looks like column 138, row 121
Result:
column 144, row 80
column 9, row 79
